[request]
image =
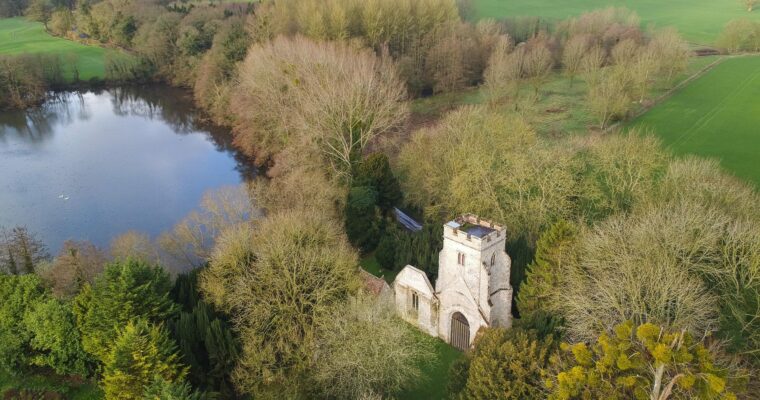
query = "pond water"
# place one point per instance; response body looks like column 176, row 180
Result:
column 91, row 165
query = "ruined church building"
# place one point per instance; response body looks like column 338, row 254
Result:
column 472, row 290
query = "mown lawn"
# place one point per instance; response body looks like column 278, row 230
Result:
column 38, row 382
column 21, row 36
column 717, row 116
column 370, row 264
column 699, row 21
column 434, row 384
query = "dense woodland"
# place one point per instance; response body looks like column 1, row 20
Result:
column 636, row 273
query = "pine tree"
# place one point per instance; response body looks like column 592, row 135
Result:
column 542, row 280
column 375, row 171
column 361, row 219
column 125, row 291
column 140, row 353
column 206, row 341
column 161, row 389
column 385, row 253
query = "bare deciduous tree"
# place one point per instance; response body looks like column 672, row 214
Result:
column 191, row 240
column 573, row 53
column 504, row 71
column 624, row 53
column 21, row 251
column 537, row 66
column 136, row 245
column 332, row 96
column 489, row 164
column 637, row 268
column 592, row 63
column 77, row 263
column 670, row 51
column 349, row 363
column 281, row 279
column 606, row 27
column 740, row 35
column 609, row 95
column 300, row 189
column 676, row 263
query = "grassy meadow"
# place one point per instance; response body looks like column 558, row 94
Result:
column 699, row 21
column 715, row 116
column 560, row 109
column 21, row 36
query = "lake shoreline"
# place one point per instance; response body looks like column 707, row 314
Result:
column 87, row 164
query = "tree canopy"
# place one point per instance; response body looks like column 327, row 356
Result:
column 125, row 291
column 281, row 279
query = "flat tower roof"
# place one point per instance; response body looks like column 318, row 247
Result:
column 478, row 231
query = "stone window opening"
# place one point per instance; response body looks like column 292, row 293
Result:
column 493, row 259
column 415, row 301
column 460, row 258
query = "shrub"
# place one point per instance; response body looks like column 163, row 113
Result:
column 507, row 364
column 740, row 35
column 644, row 361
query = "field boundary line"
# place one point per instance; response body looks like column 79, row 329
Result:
column 659, row 99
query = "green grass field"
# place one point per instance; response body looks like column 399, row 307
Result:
column 699, row 21
column 20, row 36
column 717, row 116
column 435, row 374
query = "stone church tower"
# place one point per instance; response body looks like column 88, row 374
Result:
column 472, row 290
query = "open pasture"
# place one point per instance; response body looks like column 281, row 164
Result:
column 716, row 116
column 20, row 36
column 699, row 21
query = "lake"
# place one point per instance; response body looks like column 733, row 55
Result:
column 91, row 165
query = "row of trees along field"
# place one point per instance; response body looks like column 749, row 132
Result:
column 645, row 266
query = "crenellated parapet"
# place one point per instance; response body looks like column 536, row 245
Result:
column 474, row 232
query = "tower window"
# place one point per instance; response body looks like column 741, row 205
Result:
column 460, row 258
column 493, row 259
column 415, row 301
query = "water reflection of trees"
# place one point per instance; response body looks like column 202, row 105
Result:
column 37, row 124
column 175, row 107
column 170, row 105
column 165, row 103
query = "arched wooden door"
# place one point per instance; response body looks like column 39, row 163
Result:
column 460, row 332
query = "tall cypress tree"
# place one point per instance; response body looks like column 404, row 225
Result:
column 361, row 218
column 375, row 171
column 205, row 338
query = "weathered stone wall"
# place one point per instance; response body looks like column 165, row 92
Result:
column 411, row 280
column 478, row 288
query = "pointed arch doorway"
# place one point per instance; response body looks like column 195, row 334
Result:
column 460, row 332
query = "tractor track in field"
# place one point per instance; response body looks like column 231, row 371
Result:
column 659, row 99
